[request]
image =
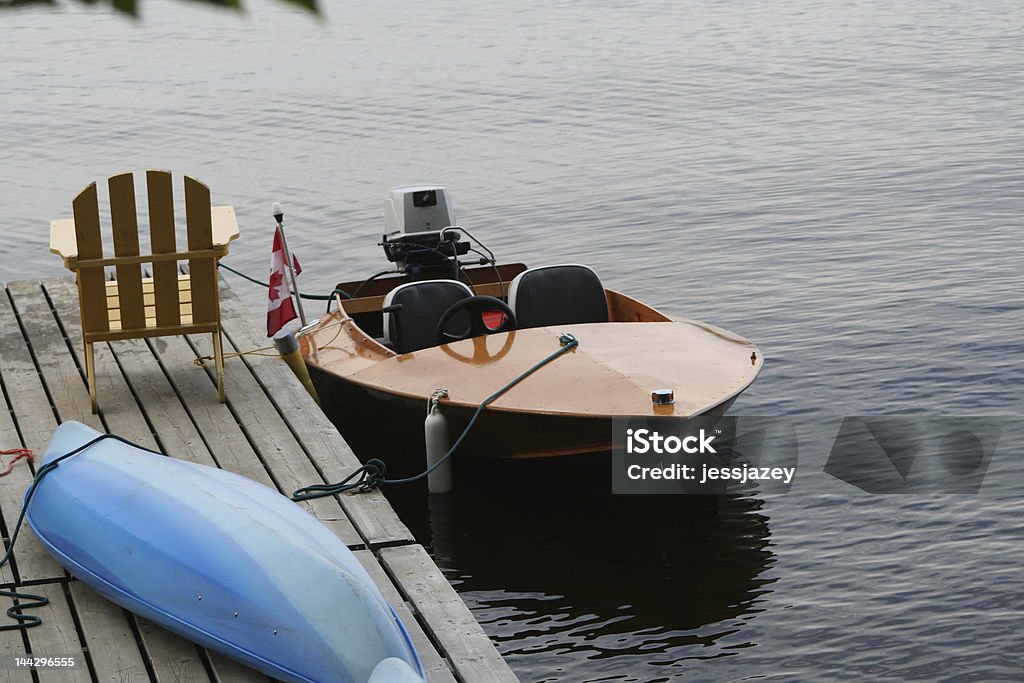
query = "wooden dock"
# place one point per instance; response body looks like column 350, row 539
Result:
column 151, row 391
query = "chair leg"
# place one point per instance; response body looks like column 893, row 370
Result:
column 90, row 376
column 218, row 356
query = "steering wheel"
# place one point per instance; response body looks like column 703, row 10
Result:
column 475, row 306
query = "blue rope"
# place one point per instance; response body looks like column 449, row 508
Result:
column 374, row 472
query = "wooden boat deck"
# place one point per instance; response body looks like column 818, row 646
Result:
column 151, row 392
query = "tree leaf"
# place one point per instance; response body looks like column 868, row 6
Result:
column 230, row 4
column 305, row 4
column 21, row 3
column 126, row 6
column 130, row 7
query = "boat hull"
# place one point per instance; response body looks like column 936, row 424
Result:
column 216, row 558
column 376, row 422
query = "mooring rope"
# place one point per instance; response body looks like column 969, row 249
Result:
column 303, row 295
column 373, row 473
column 19, row 454
column 201, row 360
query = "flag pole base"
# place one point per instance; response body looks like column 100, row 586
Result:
column 288, row 346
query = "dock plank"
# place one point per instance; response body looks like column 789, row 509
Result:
column 62, row 377
column 160, row 407
column 229, row 671
column 433, row 664
column 109, row 637
column 34, row 417
column 174, row 659
column 13, row 645
column 11, row 489
column 214, row 420
column 275, row 443
column 57, row 637
column 119, row 411
column 31, row 406
column 446, row 616
column 370, row 511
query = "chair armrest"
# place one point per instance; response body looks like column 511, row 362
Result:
column 225, row 225
column 63, row 241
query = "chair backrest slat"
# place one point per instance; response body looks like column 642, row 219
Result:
column 161, row 235
column 90, row 279
column 135, row 304
column 125, row 226
column 205, row 301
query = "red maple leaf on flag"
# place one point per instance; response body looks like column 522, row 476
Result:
column 280, row 306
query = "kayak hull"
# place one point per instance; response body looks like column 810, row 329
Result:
column 216, row 558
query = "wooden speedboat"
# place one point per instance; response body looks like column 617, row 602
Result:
column 437, row 324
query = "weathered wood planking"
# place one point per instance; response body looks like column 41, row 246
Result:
column 229, row 671
column 31, row 406
column 57, row 637
column 57, row 366
column 447, row 617
column 13, row 646
column 173, row 658
column 121, row 414
column 371, row 513
column 214, row 420
column 45, row 338
column 435, row 666
column 35, row 419
column 275, row 443
column 109, row 637
column 270, row 431
column 160, row 407
column 10, row 488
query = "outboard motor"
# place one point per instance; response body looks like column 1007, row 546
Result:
column 415, row 218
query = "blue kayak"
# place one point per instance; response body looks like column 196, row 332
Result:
column 218, row 559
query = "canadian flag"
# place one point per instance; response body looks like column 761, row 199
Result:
column 280, row 307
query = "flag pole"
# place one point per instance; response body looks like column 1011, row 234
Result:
column 279, row 217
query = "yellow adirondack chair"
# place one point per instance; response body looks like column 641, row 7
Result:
column 130, row 305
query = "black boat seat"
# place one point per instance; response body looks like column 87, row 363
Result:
column 412, row 311
column 557, row 295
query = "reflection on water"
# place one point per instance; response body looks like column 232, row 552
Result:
column 552, row 564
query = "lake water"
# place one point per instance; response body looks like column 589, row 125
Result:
column 842, row 183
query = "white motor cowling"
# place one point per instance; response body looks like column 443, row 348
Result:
column 417, row 208
column 415, row 218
